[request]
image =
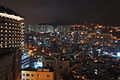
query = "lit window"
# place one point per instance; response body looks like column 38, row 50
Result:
column 5, row 45
column 1, row 26
column 1, row 46
column 9, row 45
column 5, row 30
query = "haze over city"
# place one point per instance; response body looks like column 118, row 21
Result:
column 67, row 11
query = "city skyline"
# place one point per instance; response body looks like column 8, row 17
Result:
column 59, row 40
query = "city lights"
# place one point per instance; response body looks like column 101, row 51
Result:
column 38, row 65
column 5, row 15
column 75, row 41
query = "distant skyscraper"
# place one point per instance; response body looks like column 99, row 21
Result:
column 39, row 28
column 11, row 39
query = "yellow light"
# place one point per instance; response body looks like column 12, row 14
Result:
column 18, row 18
column 43, row 50
column 110, row 31
column 50, row 54
column 97, row 42
column 101, row 37
column 82, row 33
column 30, row 51
column 95, row 60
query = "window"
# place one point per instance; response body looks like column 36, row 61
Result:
column 60, row 67
column 38, row 75
column 32, row 75
column 23, row 74
column 27, row 74
column 48, row 75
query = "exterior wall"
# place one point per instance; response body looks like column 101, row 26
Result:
column 11, row 37
column 59, row 67
column 11, row 33
column 35, row 75
column 9, row 70
column 18, row 65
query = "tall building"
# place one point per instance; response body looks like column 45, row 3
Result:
column 61, row 68
column 11, row 42
column 25, row 60
column 39, row 28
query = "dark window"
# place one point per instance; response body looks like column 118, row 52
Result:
column 23, row 74
column 27, row 74
column 48, row 75
column 38, row 75
column 60, row 67
column 32, row 75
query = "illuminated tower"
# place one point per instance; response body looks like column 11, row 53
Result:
column 11, row 42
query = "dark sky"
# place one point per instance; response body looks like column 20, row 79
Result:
column 69, row 11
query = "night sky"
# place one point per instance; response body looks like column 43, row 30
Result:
column 67, row 11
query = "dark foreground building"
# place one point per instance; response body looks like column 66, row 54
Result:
column 11, row 39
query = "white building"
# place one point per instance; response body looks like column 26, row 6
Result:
column 40, row 74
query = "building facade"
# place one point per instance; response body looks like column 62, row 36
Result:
column 39, row 28
column 11, row 38
column 61, row 68
column 40, row 74
column 25, row 60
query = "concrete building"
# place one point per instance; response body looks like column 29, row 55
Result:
column 39, row 28
column 11, row 38
column 61, row 68
column 40, row 74
column 25, row 60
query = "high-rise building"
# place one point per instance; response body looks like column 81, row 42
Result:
column 11, row 42
column 39, row 28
